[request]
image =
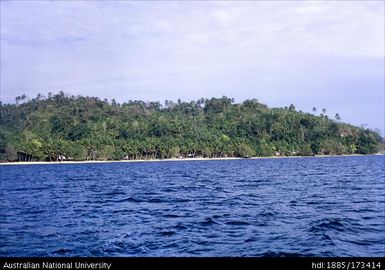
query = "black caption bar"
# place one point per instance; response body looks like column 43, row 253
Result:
column 329, row 263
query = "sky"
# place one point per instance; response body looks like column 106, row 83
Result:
column 323, row 54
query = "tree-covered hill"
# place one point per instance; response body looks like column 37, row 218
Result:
column 87, row 128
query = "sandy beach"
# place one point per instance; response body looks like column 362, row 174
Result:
column 113, row 161
column 167, row 160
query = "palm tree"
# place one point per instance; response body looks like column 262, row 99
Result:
column 323, row 110
column 18, row 98
column 337, row 117
column 314, row 109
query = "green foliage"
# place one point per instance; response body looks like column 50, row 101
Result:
column 305, row 150
column 367, row 142
column 265, row 149
column 107, row 152
column 245, row 150
column 10, row 153
column 87, row 128
column 77, row 152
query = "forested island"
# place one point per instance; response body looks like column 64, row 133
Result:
column 63, row 127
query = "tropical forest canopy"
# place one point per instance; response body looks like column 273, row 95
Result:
column 86, row 128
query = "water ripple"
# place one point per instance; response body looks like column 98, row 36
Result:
column 265, row 207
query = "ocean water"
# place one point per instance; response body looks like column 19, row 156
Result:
column 330, row 206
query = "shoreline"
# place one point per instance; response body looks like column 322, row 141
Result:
column 172, row 159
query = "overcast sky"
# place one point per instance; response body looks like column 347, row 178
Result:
column 323, row 54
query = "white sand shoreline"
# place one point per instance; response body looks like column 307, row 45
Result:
column 170, row 159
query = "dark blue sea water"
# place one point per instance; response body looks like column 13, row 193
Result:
column 331, row 206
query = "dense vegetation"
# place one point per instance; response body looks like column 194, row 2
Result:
column 87, row 128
